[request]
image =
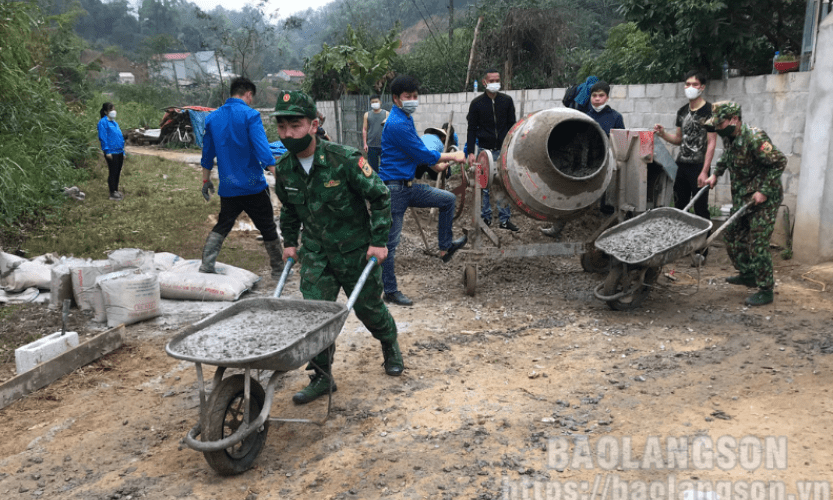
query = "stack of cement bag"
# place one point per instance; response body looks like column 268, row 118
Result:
column 124, row 288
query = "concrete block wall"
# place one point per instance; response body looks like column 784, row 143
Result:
column 775, row 103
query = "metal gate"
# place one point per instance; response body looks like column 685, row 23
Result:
column 350, row 110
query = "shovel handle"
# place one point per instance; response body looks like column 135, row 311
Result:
column 728, row 222
column 284, row 275
column 699, row 193
column 360, row 283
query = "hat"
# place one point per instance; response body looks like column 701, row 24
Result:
column 436, row 131
column 725, row 110
column 295, row 103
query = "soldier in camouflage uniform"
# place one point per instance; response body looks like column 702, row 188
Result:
column 756, row 166
column 325, row 187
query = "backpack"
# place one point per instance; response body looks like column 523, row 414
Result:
column 569, row 100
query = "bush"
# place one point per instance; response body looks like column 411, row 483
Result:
column 42, row 140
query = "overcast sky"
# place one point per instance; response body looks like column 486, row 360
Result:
column 285, row 7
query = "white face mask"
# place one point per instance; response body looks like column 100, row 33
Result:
column 375, row 105
column 599, row 108
column 112, row 114
column 493, row 87
column 410, row 106
column 692, row 93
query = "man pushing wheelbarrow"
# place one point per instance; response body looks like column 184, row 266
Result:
column 325, row 187
column 756, row 166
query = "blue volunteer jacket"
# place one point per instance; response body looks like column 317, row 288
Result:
column 402, row 149
column 110, row 136
column 234, row 134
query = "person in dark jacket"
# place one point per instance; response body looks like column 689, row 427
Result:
column 490, row 118
column 112, row 144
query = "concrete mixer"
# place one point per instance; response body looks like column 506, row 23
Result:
column 555, row 164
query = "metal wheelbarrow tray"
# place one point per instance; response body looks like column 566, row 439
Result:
column 234, row 415
column 302, row 347
column 659, row 257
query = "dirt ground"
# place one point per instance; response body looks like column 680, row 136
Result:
column 494, row 384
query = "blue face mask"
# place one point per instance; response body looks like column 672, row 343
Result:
column 410, row 106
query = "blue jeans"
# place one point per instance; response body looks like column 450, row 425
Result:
column 419, row 195
column 486, row 206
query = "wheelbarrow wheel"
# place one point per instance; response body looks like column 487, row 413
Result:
column 226, row 410
column 470, row 280
column 595, row 261
column 625, row 281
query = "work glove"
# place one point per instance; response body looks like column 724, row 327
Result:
column 207, row 189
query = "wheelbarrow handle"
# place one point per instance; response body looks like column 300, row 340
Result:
column 360, row 283
column 284, row 275
column 728, row 223
column 704, row 189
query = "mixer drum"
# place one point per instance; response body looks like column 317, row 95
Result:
column 555, row 163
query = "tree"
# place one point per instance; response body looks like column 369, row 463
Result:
column 360, row 65
column 628, row 58
column 702, row 33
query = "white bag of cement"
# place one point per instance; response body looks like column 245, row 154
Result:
column 60, row 285
column 200, row 286
column 8, row 262
column 28, row 295
column 83, row 281
column 125, row 258
column 165, row 261
column 130, row 298
column 248, row 278
column 97, row 296
column 28, row 274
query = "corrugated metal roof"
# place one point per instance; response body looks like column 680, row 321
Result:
column 292, row 72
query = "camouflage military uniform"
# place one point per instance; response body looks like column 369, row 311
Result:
column 756, row 166
column 330, row 202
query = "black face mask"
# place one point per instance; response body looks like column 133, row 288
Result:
column 295, row 146
column 727, row 131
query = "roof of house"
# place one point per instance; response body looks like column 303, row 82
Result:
column 292, row 72
column 176, row 56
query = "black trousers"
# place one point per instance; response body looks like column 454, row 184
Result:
column 257, row 206
column 685, row 186
column 114, row 166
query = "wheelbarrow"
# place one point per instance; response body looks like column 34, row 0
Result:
column 234, row 415
column 635, row 270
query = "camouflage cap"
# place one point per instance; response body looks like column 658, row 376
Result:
column 725, row 110
column 295, row 103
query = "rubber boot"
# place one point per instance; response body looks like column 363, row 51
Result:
column 742, row 279
column 394, row 366
column 319, row 385
column 210, row 252
column 275, row 251
column 763, row 297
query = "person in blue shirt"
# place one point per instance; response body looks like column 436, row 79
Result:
column 434, row 139
column 112, row 144
column 234, row 135
column 402, row 151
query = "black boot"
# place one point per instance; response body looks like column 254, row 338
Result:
column 394, row 366
column 210, row 252
column 275, row 251
column 319, row 385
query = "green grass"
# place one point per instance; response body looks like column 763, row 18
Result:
column 163, row 210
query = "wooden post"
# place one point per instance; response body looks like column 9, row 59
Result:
column 471, row 54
